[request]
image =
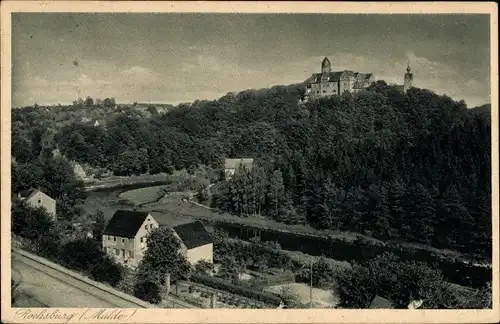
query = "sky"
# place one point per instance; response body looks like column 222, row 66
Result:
column 175, row 57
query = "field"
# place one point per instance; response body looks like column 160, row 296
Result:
column 142, row 195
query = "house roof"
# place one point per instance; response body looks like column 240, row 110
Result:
column 125, row 223
column 27, row 194
column 193, row 234
column 380, row 302
column 234, row 163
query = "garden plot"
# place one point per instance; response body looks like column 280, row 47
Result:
column 321, row 298
column 203, row 294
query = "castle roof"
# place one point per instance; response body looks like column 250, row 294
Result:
column 326, row 62
column 335, row 76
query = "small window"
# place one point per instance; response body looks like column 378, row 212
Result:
column 142, row 239
column 39, row 201
column 123, row 240
column 117, row 252
column 114, row 238
column 129, row 254
column 146, row 227
column 123, row 252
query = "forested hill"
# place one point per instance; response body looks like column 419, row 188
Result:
column 412, row 167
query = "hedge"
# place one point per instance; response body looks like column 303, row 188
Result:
column 221, row 284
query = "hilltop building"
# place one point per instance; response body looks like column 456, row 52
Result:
column 36, row 198
column 328, row 83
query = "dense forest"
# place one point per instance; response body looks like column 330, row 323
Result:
column 410, row 167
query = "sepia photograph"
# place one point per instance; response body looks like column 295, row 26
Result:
column 226, row 160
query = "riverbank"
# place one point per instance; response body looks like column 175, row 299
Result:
column 116, row 182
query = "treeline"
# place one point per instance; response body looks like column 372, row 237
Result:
column 412, row 167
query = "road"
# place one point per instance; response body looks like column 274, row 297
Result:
column 42, row 286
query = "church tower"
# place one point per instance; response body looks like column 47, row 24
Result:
column 408, row 79
column 326, row 66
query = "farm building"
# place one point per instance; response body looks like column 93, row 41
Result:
column 232, row 165
column 124, row 237
column 196, row 242
column 37, row 198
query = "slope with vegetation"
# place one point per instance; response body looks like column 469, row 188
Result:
column 409, row 167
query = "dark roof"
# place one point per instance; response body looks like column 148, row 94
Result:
column 125, row 223
column 193, row 234
column 335, row 76
column 380, row 302
column 325, row 62
column 26, row 193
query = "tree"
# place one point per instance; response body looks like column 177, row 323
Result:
column 99, row 223
column 89, row 102
column 204, row 267
column 354, row 287
column 276, row 193
column 34, row 224
column 162, row 257
column 82, row 255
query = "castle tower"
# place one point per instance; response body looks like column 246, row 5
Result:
column 408, row 79
column 326, row 66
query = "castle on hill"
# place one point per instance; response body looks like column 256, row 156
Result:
column 328, row 83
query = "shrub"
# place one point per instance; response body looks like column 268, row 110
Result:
column 148, row 291
column 221, row 284
column 107, row 271
column 81, row 255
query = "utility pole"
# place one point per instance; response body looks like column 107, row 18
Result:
column 310, row 285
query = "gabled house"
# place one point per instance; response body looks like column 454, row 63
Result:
column 232, row 165
column 196, row 243
column 37, row 198
column 124, row 237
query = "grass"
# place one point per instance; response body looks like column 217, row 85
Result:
column 141, row 195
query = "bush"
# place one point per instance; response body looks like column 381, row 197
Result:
column 221, row 284
column 148, row 291
column 82, row 255
column 107, row 271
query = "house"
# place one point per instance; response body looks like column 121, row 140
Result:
column 231, row 165
column 381, row 303
column 124, row 237
column 196, row 243
column 37, row 198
